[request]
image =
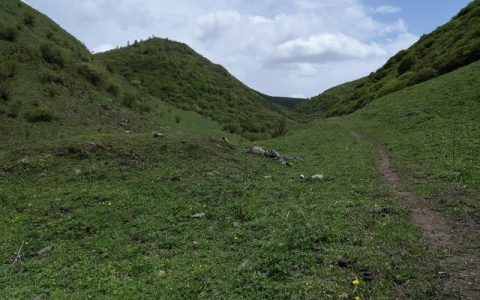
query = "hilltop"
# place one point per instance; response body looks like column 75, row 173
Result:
column 448, row 48
column 173, row 72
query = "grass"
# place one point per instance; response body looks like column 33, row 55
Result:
column 175, row 73
column 117, row 210
column 451, row 46
column 432, row 132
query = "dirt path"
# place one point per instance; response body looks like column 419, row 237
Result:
column 459, row 259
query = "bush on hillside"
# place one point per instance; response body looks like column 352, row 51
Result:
column 29, row 19
column 8, row 70
column 407, row 64
column 7, row 33
column 39, row 114
column 53, row 55
column 5, row 93
column 424, row 74
column 91, row 73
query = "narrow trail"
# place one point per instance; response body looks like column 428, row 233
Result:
column 459, row 259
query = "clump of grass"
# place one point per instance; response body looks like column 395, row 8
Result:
column 39, row 114
column 53, row 55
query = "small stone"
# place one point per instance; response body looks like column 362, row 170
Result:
column 45, row 250
column 198, row 215
column 211, row 174
column 78, row 171
column 158, row 135
column 258, row 151
column 302, row 177
column 162, row 273
column 267, row 177
column 317, row 177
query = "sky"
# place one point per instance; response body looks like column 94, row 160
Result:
column 295, row 48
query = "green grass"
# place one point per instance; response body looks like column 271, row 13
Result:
column 433, row 134
column 175, row 73
column 451, row 46
column 117, row 214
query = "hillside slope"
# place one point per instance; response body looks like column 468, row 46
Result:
column 174, row 73
column 433, row 131
column 449, row 47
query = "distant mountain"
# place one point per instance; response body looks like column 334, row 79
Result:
column 448, row 48
column 287, row 102
column 175, row 73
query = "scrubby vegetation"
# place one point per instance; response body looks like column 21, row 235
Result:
column 109, row 189
column 448, row 48
column 174, row 73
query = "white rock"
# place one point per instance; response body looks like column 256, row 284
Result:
column 317, row 177
column 302, row 177
column 198, row 215
column 258, row 151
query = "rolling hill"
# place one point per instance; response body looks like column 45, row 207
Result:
column 115, row 181
column 176, row 74
column 449, row 47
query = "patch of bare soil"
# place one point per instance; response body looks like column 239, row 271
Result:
column 454, row 238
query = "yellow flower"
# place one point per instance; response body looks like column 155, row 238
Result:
column 109, row 203
column 355, row 282
column 358, row 298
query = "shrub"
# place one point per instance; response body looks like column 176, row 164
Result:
column 29, row 19
column 178, row 119
column 129, row 100
column 91, row 73
column 53, row 55
column 113, row 89
column 39, row 114
column 7, row 70
column 5, row 93
column 8, row 33
column 407, row 64
column 423, row 75
column 280, row 129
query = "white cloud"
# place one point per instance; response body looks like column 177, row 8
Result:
column 386, row 9
column 280, row 47
column 102, row 48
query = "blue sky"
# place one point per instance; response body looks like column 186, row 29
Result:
column 279, row 47
column 423, row 16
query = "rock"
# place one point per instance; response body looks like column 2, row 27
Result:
column 78, row 171
column 272, row 154
column 198, row 215
column 158, row 135
column 162, row 273
column 302, row 177
column 317, row 177
column 267, row 177
column 298, row 269
column 45, row 250
column 228, row 143
column 210, row 174
column 258, row 151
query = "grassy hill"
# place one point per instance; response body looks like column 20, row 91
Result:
column 321, row 104
column 94, row 205
column 50, row 84
column 174, row 73
column 451, row 46
column 432, row 130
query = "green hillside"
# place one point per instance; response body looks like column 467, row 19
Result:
column 451, row 46
column 321, row 104
column 174, row 73
column 119, row 178
column 48, row 79
column 433, row 132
